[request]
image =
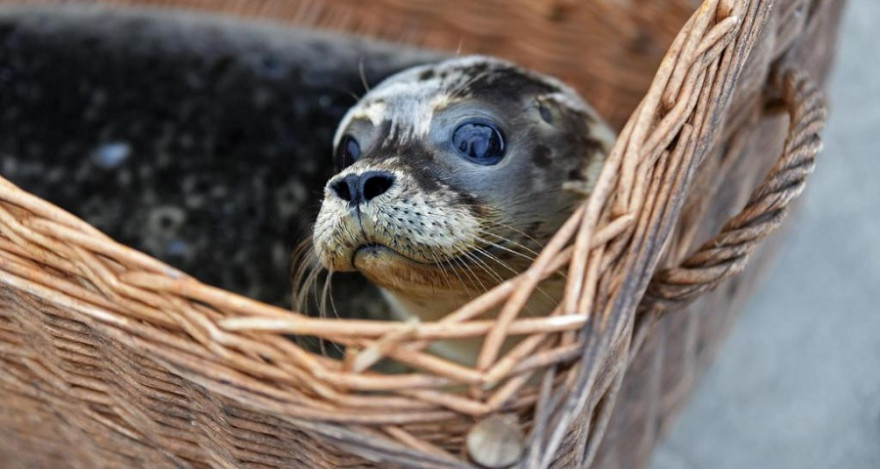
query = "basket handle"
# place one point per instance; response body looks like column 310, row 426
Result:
column 726, row 254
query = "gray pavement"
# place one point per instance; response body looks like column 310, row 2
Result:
column 798, row 383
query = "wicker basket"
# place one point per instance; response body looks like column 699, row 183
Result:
column 113, row 359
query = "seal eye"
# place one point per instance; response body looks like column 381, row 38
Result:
column 480, row 142
column 348, row 151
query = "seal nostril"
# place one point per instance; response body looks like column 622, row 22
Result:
column 375, row 183
column 343, row 187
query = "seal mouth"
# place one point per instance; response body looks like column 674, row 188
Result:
column 375, row 250
column 378, row 250
column 398, row 272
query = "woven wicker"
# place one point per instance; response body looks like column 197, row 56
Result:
column 113, row 359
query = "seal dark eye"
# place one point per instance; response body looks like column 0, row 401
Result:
column 480, row 142
column 348, row 151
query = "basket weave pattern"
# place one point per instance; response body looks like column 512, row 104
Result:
column 131, row 362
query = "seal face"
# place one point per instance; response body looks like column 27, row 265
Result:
column 451, row 178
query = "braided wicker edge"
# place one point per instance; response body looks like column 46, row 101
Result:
column 727, row 253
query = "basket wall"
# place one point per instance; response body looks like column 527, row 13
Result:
column 618, row 44
column 60, row 377
column 678, row 348
column 681, row 344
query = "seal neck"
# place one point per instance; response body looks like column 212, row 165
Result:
column 435, row 308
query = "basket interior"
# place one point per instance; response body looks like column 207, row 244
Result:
column 205, row 142
column 200, row 141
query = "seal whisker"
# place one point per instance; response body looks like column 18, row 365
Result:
column 363, row 75
column 443, row 271
column 539, row 289
column 326, row 296
column 455, row 266
column 512, row 228
column 463, row 254
column 529, row 256
column 306, row 266
column 481, row 251
column 307, row 290
column 474, row 256
column 470, row 273
column 307, row 275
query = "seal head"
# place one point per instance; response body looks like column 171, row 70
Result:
column 451, row 178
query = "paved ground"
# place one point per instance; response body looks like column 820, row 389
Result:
column 798, row 385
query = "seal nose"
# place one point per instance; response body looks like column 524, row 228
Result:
column 360, row 188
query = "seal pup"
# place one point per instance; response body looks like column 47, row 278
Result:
column 451, row 177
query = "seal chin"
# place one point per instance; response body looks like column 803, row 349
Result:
column 394, row 271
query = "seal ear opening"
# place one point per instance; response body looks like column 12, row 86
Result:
column 582, row 179
column 593, row 148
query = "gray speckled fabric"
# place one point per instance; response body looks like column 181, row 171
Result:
column 199, row 140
